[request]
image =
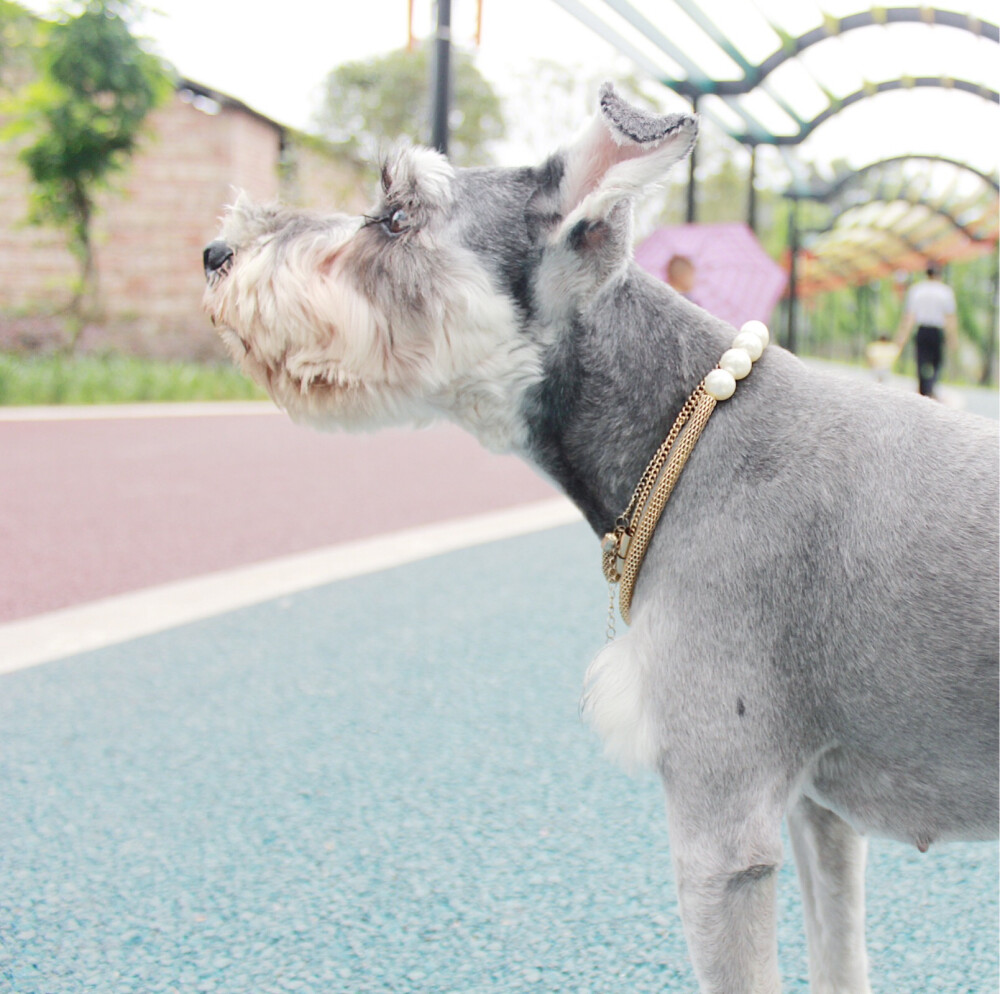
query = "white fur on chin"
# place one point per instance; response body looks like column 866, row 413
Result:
column 296, row 318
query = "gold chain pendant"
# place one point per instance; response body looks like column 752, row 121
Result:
column 634, row 528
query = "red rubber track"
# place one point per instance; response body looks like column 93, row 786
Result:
column 93, row 508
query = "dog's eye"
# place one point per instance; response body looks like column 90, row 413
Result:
column 397, row 222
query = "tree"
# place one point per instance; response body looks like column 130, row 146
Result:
column 18, row 29
column 368, row 105
column 83, row 115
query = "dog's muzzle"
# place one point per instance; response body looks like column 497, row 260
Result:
column 217, row 258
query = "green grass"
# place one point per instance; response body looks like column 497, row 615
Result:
column 60, row 379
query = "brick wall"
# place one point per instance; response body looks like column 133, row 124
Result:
column 150, row 234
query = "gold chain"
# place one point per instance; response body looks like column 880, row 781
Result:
column 649, row 513
column 652, row 471
column 609, row 631
column 633, row 531
column 615, row 543
column 634, row 528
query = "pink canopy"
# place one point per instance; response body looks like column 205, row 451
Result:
column 734, row 278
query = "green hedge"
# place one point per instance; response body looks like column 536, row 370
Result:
column 58, row 379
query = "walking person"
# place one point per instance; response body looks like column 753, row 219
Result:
column 930, row 307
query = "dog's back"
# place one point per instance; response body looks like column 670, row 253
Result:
column 863, row 579
column 814, row 628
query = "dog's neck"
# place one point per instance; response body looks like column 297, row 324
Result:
column 612, row 387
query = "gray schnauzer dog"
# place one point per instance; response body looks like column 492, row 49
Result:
column 814, row 629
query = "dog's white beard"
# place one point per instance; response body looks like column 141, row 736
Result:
column 330, row 357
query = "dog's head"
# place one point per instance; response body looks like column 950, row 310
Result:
column 444, row 297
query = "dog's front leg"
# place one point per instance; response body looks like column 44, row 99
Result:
column 830, row 859
column 726, row 859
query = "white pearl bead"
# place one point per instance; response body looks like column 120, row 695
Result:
column 737, row 362
column 720, row 384
column 760, row 330
column 750, row 342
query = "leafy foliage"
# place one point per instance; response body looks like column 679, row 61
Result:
column 82, row 116
column 18, row 38
column 367, row 105
column 975, row 284
column 88, row 379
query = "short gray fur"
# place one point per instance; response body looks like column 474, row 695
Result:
column 815, row 627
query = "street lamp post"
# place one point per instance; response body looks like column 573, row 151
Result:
column 441, row 95
column 793, row 286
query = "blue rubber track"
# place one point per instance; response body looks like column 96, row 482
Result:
column 383, row 785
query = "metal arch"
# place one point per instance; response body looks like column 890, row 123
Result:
column 877, row 264
column 835, row 187
column 935, row 209
column 698, row 84
column 869, row 260
column 831, row 28
column 899, row 236
column 939, row 211
column 873, row 89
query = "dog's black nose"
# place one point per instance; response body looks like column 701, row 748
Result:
column 216, row 255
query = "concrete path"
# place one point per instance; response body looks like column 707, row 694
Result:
column 383, row 785
column 379, row 784
column 102, row 501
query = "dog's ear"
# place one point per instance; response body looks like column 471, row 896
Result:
column 624, row 150
column 414, row 175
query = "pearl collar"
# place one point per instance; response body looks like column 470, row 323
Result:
column 634, row 527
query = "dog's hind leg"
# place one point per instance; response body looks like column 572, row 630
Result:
column 726, row 885
column 830, row 859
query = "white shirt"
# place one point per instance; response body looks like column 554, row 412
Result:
column 930, row 301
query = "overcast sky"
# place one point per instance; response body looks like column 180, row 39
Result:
column 274, row 56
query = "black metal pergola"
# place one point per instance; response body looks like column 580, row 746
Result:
column 897, row 223
column 861, row 241
column 696, row 83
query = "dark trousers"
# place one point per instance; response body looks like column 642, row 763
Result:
column 930, row 354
